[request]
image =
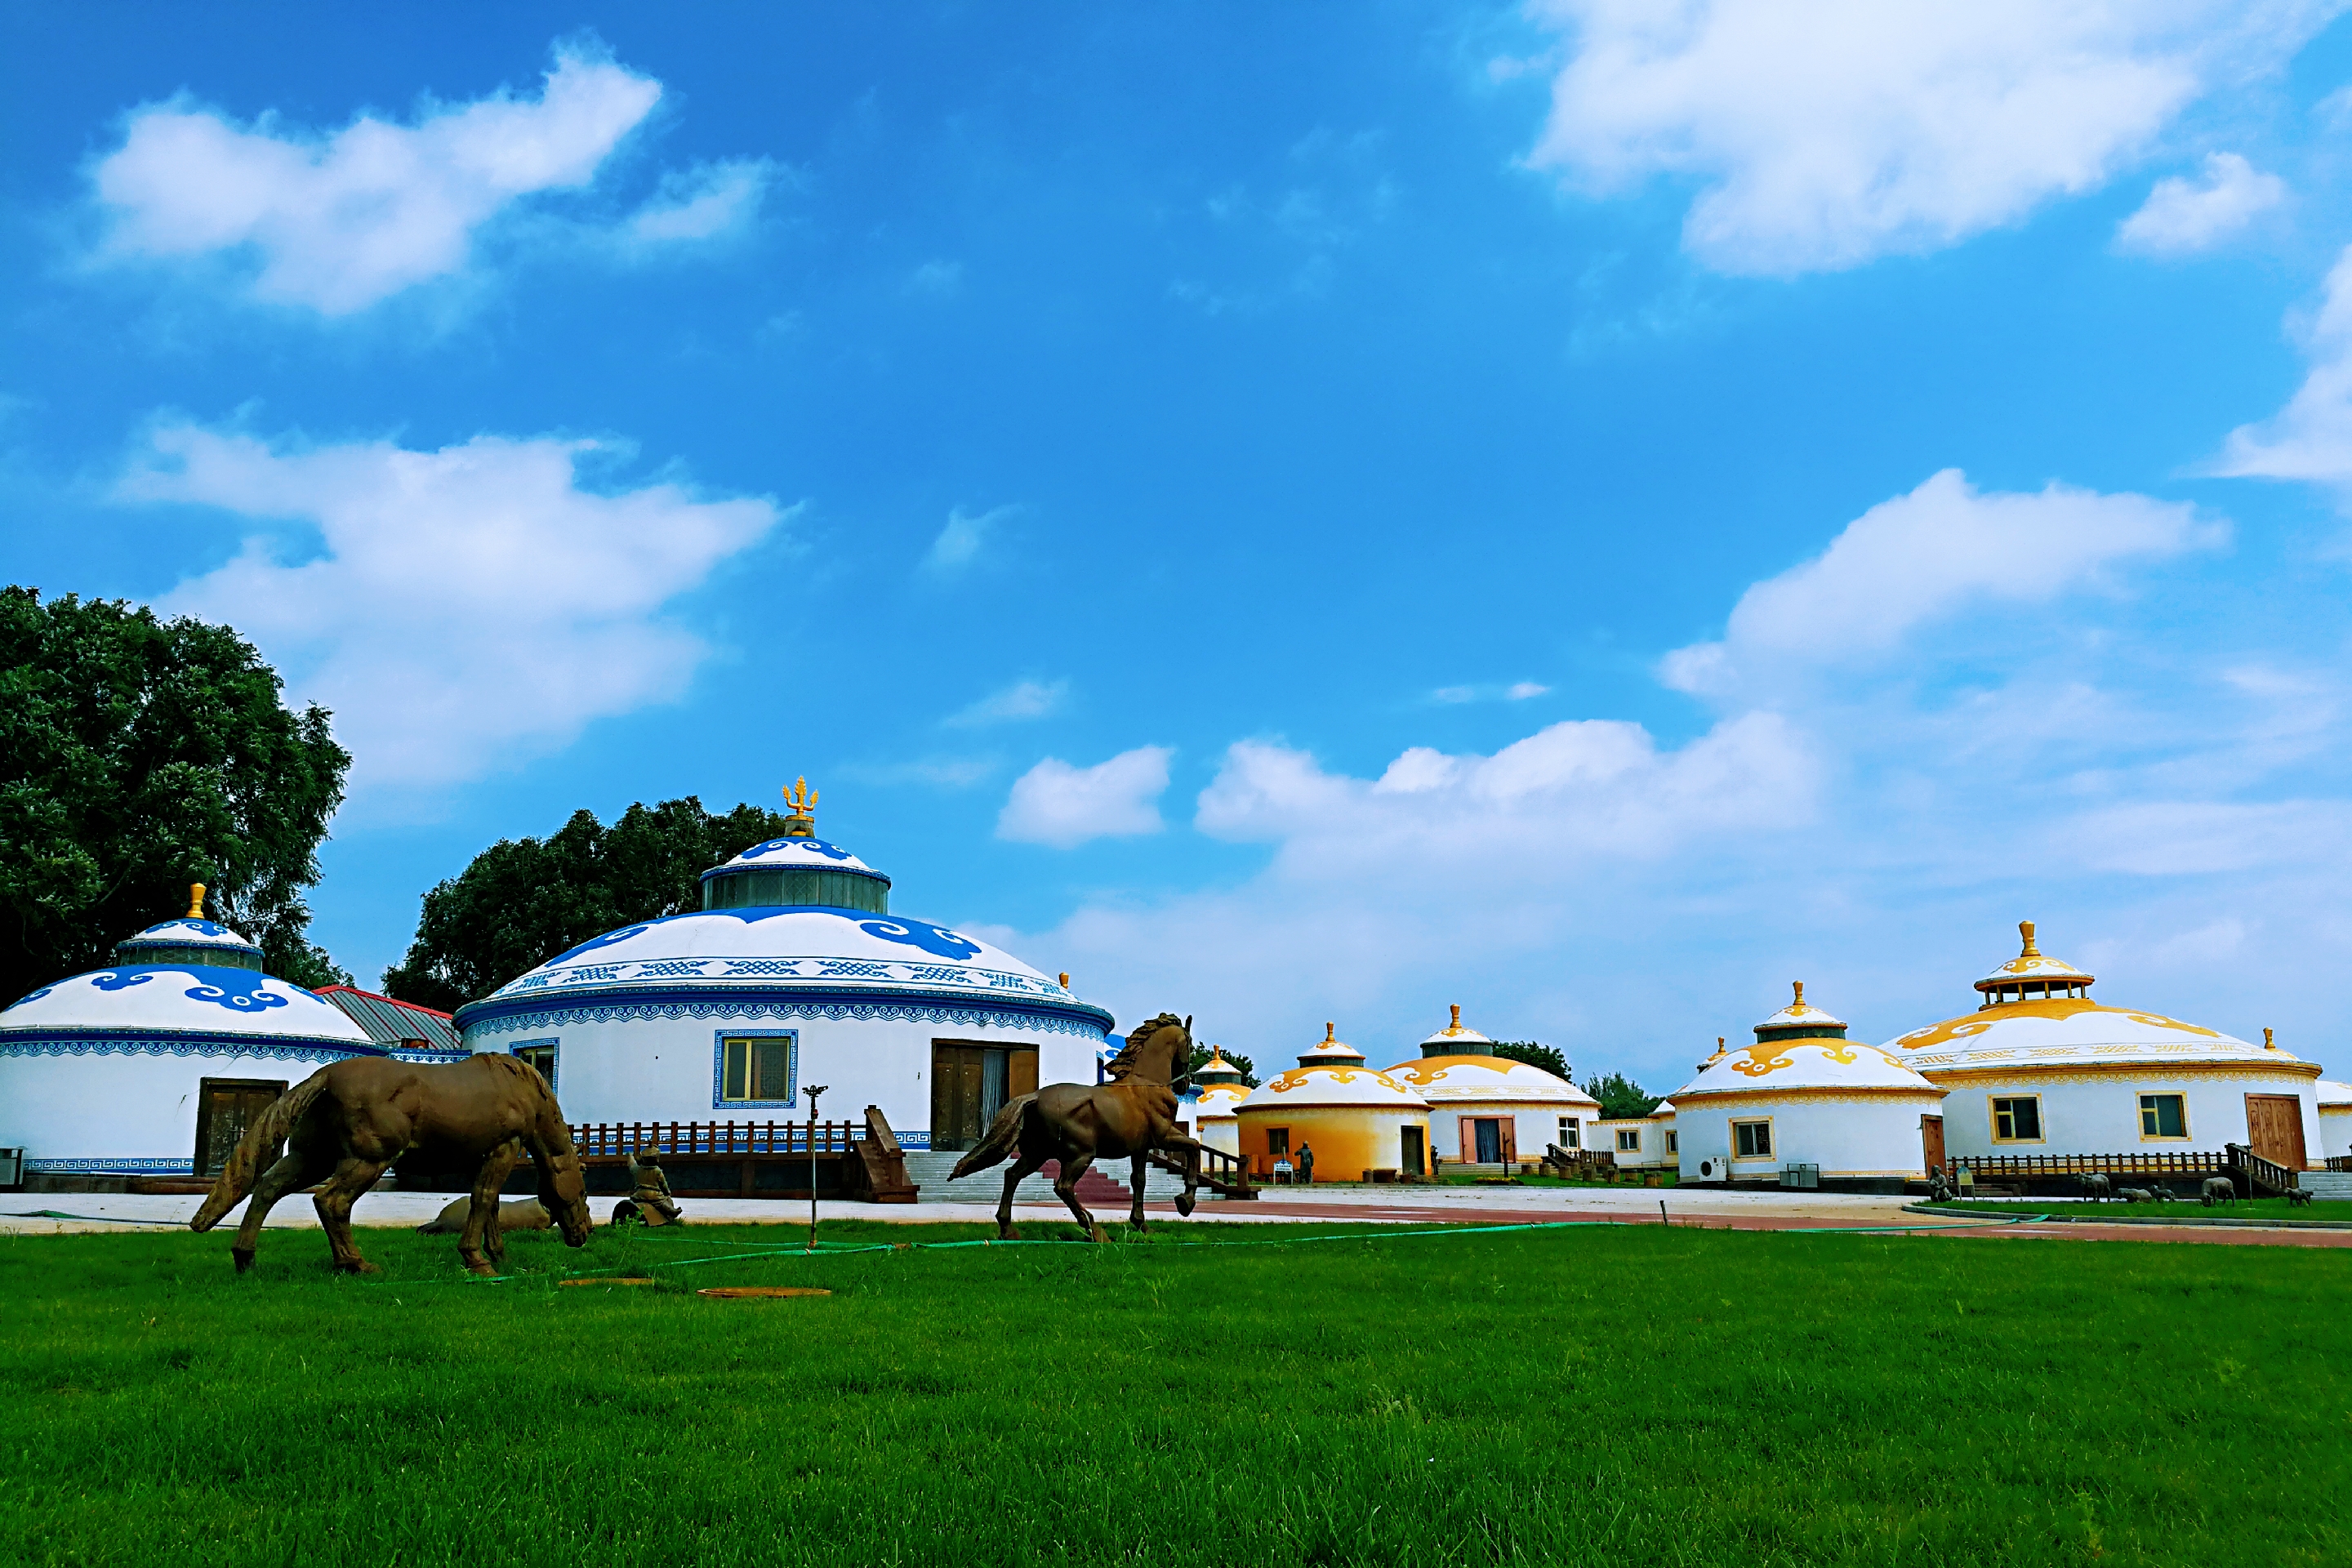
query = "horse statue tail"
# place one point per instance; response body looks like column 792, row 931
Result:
column 244, row 1167
column 1004, row 1135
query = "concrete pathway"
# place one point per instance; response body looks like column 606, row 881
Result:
column 1769, row 1210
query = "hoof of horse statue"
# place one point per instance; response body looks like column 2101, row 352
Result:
column 1006, row 1233
column 478, row 1265
column 244, row 1256
column 1184, row 1203
column 357, row 1266
column 1100, row 1236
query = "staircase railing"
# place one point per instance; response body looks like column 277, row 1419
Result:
column 2262, row 1172
column 1226, row 1174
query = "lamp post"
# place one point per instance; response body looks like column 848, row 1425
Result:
column 812, row 1090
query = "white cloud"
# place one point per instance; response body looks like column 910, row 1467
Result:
column 1454, row 694
column 459, row 609
column 337, row 222
column 2311, row 437
column 1917, row 558
column 2180, row 216
column 1023, row 699
column 961, row 542
column 1522, row 691
column 1822, row 133
column 936, row 277
column 1065, row 806
column 702, row 203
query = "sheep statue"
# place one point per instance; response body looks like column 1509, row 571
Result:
column 2096, row 1186
column 2218, row 1190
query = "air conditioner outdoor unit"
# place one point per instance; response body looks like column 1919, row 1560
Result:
column 1801, row 1175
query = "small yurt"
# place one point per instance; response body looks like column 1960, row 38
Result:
column 154, row 1067
column 2335, row 1119
column 1803, row 1094
column 1357, row 1121
column 1488, row 1110
column 2039, row 1068
column 1215, row 1110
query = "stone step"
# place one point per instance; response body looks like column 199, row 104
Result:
column 2328, row 1186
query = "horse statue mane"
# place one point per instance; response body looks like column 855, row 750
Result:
column 1125, row 1063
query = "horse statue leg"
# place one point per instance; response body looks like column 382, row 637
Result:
column 291, row 1174
column 1014, row 1174
column 482, row 1223
column 1065, row 1188
column 1135, row 1213
column 354, row 1176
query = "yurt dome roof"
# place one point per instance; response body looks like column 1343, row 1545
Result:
column 1332, row 1074
column 183, row 979
column 807, row 854
column 2032, row 963
column 1801, row 1048
column 1453, row 1040
column 2333, row 1093
column 1467, row 1078
column 2039, row 1030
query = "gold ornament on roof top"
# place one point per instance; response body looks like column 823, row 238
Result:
column 196, row 900
column 2025, row 929
column 1799, row 1002
column 2270, row 1040
column 801, row 822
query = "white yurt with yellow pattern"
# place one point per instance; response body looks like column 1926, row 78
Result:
column 1804, row 1094
column 1489, row 1109
column 1354, row 1119
column 2041, row 1069
column 1215, row 1110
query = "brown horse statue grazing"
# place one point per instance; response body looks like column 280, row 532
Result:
column 1076, row 1124
column 346, row 1123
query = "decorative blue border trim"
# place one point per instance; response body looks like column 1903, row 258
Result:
column 124, row 1167
column 919, row 1140
column 719, row 1038
column 834, row 1006
column 430, row 1057
column 114, row 1045
column 552, row 1042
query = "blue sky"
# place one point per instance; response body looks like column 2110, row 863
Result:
column 1588, row 510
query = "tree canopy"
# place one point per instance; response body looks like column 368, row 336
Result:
column 138, row 755
column 523, row 901
column 1621, row 1098
column 1536, row 1055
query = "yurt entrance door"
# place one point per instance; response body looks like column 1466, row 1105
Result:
column 1491, row 1139
column 971, row 1083
column 2274, row 1127
column 225, row 1106
column 1931, row 1141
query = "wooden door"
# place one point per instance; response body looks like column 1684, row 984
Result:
column 2274, row 1127
column 1466, row 1141
column 226, row 1107
column 955, row 1096
column 1931, row 1141
column 1411, row 1151
column 1020, row 1072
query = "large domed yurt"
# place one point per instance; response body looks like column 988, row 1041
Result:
column 794, row 972
column 1214, row 1107
column 1489, row 1109
column 154, row 1066
column 2039, row 1068
column 1357, row 1121
column 1803, row 1094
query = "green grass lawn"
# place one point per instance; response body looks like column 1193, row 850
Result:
column 2190, row 1209
column 1603, row 1395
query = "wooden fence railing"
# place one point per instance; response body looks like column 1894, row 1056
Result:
column 612, row 1139
column 1580, row 1161
column 1213, row 1168
column 2234, row 1160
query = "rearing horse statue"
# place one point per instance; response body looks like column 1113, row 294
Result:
column 1127, row 1118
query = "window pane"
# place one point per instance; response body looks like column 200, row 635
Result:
column 2148, row 1116
column 1277, row 1140
column 771, row 1069
column 2028, row 1119
column 731, row 1082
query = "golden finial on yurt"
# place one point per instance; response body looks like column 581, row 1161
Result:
column 801, row 823
column 1066, row 980
column 196, row 900
column 2025, row 929
column 1455, row 1027
column 1801, row 994
column 1330, row 1033
column 2270, row 1040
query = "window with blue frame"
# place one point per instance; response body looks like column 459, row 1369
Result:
column 755, row 1067
column 540, row 1053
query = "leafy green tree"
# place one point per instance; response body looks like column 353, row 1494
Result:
column 1535, row 1056
column 523, row 901
column 1621, row 1098
column 138, row 755
column 1203, row 1055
